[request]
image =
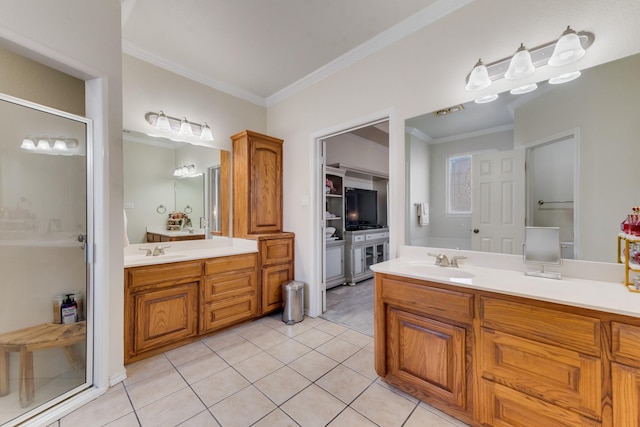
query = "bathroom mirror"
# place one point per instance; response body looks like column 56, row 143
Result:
column 152, row 191
column 587, row 195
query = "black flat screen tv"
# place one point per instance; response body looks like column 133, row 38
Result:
column 361, row 208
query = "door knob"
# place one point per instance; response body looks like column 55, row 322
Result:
column 476, row 231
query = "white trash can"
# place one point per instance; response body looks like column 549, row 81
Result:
column 293, row 294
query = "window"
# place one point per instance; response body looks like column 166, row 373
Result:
column 459, row 184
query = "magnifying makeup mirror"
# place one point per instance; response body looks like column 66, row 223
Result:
column 542, row 248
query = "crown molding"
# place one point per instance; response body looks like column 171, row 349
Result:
column 144, row 55
column 402, row 29
column 417, row 133
column 473, row 134
column 413, row 23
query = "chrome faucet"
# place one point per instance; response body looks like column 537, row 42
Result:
column 159, row 250
column 443, row 261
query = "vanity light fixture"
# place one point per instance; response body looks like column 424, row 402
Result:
column 182, row 127
column 570, row 47
column 184, row 171
column 46, row 145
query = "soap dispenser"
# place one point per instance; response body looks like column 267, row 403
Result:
column 69, row 310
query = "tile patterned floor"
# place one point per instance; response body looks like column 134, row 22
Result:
column 262, row 374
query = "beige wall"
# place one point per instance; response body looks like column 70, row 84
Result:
column 424, row 72
column 147, row 88
column 83, row 39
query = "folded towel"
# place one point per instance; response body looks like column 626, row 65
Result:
column 423, row 213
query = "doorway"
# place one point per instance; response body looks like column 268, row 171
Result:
column 551, row 187
column 352, row 159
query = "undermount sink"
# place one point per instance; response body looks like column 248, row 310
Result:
column 429, row 269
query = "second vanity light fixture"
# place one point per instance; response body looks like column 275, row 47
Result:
column 181, row 127
column 45, row 145
column 567, row 49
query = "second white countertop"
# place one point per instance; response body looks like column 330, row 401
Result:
column 504, row 274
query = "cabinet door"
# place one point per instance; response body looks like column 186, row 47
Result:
column 357, row 261
column 335, row 263
column 273, row 278
column 427, row 355
column 626, row 395
column 266, row 187
column 164, row 316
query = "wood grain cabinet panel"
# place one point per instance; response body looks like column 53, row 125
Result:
column 625, row 342
column 505, row 407
column 165, row 315
column 257, row 184
column 217, row 315
column 577, row 332
column 443, row 303
column 427, row 354
column 564, row 377
column 276, row 251
column 626, row 395
column 273, row 277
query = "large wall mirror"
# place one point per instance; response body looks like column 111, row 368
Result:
column 580, row 144
column 162, row 177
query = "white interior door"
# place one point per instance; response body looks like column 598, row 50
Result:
column 498, row 202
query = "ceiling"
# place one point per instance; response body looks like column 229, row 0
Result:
column 262, row 51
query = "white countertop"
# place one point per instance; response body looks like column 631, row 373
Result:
column 216, row 246
column 591, row 285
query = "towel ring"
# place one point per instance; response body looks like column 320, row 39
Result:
column 161, row 209
column 188, row 209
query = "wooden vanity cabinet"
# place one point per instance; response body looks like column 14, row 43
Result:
column 161, row 306
column 257, row 184
column 275, row 268
column 424, row 342
column 230, row 291
column 526, row 362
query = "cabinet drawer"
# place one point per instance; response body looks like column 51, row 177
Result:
column 217, row 315
column 229, row 285
column 166, row 273
column 276, row 251
column 567, row 330
column 457, row 306
column 229, row 263
column 565, row 377
column 358, row 238
column 502, row 406
column 625, row 341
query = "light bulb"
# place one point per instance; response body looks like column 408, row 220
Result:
column 524, row 89
column 60, row 145
column 520, row 65
column 43, row 145
column 478, row 78
column 185, row 127
column 486, row 99
column 28, row 144
column 564, row 78
column 162, row 123
column 567, row 49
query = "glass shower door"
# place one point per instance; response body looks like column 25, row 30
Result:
column 45, row 223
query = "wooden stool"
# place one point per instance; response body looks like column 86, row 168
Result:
column 26, row 341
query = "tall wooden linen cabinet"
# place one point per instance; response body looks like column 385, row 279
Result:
column 257, row 211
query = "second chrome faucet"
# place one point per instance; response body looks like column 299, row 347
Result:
column 443, row 261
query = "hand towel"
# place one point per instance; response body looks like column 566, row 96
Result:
column 423, row 213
